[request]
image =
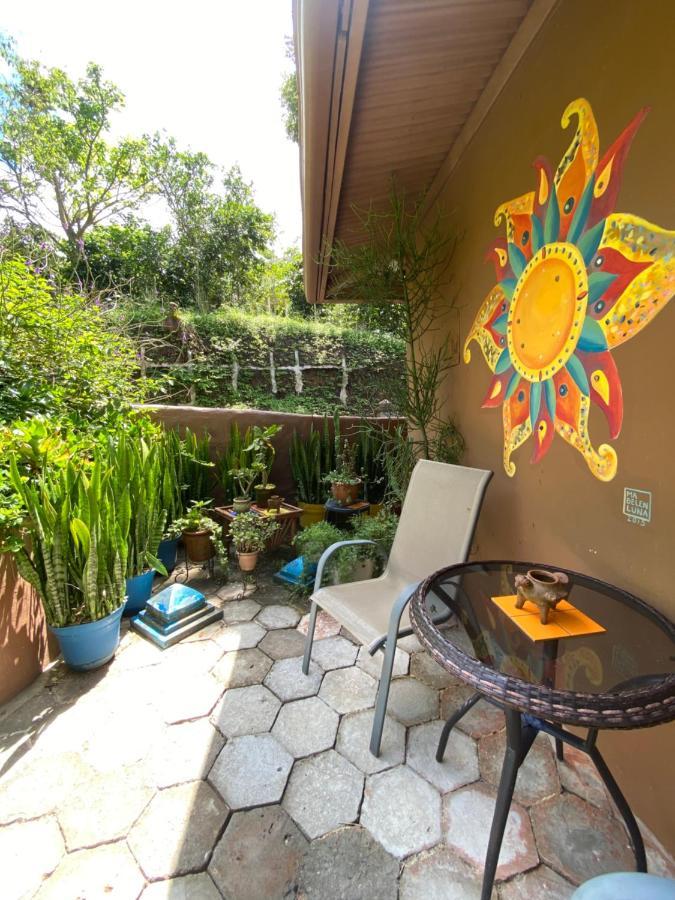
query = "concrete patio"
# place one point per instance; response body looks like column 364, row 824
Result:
column 217, row 769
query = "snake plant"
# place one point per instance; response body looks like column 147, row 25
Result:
column 136, row 480
column 311, row 458
column 235, row 456
column 75, row 551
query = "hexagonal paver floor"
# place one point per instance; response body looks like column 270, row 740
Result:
column 306, row 726
column 251, row 770
column 217, row 769
column 324, row 792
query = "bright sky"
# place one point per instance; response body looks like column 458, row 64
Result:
column 206, row 71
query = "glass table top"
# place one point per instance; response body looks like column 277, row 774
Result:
column 637, row 647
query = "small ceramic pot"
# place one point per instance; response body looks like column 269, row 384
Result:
column 247, row 561
column 198, row 545
column 274, row 503
column 346, row 494
column 263, row 494
column 241, row 504
column 544, row 589
column 92, row 644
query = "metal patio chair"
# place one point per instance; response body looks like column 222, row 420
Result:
column 436, row 529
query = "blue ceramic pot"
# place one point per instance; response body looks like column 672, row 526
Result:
column 167, row 552
column 90, row 645
column 139, row 589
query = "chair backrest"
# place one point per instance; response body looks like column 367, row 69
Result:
column 438, row 519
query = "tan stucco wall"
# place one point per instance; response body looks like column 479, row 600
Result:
column 620, row 57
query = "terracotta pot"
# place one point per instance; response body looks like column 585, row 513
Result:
column 198, row 545
column 274, row 503
column 247, row 561
column 311, row 513
column 241, row 504
column 263, row 494
column 345, row 493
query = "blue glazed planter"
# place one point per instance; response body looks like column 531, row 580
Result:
column 139, row 589
column 167, row 552
column 90, row 645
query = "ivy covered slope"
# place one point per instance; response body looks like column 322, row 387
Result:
column 232, row 358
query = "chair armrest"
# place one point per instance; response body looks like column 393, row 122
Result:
column 326, row 555
column 395, row 616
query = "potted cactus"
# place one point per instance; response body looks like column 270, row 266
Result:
column 74, row 554
column 244, row 479
column 250, row 533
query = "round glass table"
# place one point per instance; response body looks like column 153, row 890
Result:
column 621, row 675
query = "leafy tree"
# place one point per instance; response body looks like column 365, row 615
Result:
column 57, row 168
column 58, row 355
column 289, row 97
column 131, row 258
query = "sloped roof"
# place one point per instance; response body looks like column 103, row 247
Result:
column 393, row 87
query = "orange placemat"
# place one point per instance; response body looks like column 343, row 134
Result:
column 564, row 621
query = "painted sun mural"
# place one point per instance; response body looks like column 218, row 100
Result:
column 574, row 281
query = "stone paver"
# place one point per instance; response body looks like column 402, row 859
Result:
column 198, row 656
column 439, row 874
column 289, row 682
column 323, row 792
column 242, row 636
column 258, row 856
column 410, row 644
column 347, row 864
column 186, row 696
column 326, row 625
column 348, row 690
column 334, row 653
column 278, row 616
column 541, row 883
column 184, row 752
column 241, row 668
column 468, row 816
column 251, row 770
column 102, row 809
column 30, row 851
column 188, row 887
column 460, row 763
column 537, row 777
column 412, row 702
column 402, row 811
column 579, row 775
column 282, row 643
column 108, row 871
column 306, row 726
column 482, row 719
column 236, row 611
column 40, row 785
column 427, row 670
column 353, row 742
column 578, row 840
column 177, row 832
column 247, row 710
column 373, row 664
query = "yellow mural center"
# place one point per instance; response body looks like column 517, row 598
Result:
column 547, row 311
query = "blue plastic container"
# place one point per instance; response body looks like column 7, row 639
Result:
column 167, row 552
column 90, row 645
column 139, row 589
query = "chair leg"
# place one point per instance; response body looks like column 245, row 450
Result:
column 382, row 697
column 309, row 640
column 622, row 805
column 452, row 721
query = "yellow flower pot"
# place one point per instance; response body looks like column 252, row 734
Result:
column 375, row 509
column 311, row 513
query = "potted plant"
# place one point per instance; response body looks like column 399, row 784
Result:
column 367, row 560
column 74, row 554
column 250, row 533
column 171, row 493
column 311, row 542
column 344, row 483
column 201, row 535
column 244, row 479
column 311, row 458
column 137, row 465
column 263, row 459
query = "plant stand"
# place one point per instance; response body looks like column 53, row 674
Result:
column 209, row 566
column 340, row 516
column 288, row 518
